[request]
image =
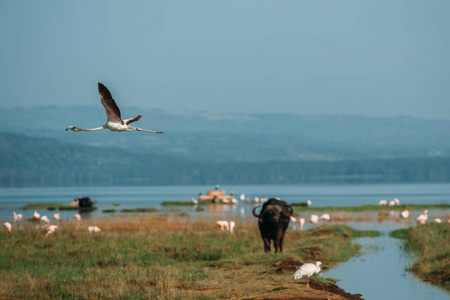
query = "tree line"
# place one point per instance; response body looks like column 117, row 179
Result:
column 27, row 162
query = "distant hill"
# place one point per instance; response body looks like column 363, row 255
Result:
column 219, row 137
column 29, row 161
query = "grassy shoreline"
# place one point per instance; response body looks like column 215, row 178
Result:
column 155, row 257
column 430, row 246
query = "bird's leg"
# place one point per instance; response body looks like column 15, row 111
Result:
column 307, row 283
column 140, row 129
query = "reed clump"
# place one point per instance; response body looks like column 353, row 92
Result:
column 156, row 257
column 430, row 244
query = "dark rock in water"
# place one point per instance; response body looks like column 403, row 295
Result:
column 85, row 202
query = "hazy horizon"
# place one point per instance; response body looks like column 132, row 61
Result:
column 375, row 59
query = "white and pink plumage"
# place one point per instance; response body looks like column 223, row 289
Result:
column 422, row 218
column 93, row 229
column 325, row 217
column 77, row 217
column 405, row 215
column 17, row 217
column 36, row 215
column 57, row 216
column 223, row 225
column 232, row 225
column 307, row 270
column 314, row 219
column 51, row 229
column 8, row 226
column 302, row 222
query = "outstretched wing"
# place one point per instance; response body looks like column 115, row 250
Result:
column 128, row 121
column 111, row 108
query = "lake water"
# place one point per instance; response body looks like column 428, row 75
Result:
column 378, row 273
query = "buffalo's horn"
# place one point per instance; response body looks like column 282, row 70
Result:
column 291, row 211
column 256, row 215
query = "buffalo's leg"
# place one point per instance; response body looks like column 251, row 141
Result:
column 266, row 244
column 281, row 243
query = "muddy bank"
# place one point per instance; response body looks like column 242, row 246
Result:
column 318, row 289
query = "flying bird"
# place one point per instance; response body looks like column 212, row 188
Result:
column 115, row 122
column 307, row 270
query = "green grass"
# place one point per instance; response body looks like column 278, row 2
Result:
column 138, row 210
column 367, row 208
column 430, row 245
column 157, row 258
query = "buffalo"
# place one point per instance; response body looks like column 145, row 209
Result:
column 273, row 222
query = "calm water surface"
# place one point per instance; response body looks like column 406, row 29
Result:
column 378, row 273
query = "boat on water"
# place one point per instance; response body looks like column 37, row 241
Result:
column 216, row 196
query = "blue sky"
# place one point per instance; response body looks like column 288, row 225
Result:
column 376, row 58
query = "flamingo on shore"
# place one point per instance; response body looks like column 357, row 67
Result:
column 232, row 225
column 308, row 202
column 405, row 215
column 223, row 225
column 422, row 218
column 307, row 270
column 314, row 219
column 114, row 122
column 325, row 217
column 302, row 222
column 57, row 216
column 8, row 226
column 36, row 215
column 17, row 217
column 93, row 229
column 51, row 229
column 437, row 220
column 382, row 202
column 45, row 219
column 77, row 217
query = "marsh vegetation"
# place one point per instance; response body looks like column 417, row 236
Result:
column 163, row 257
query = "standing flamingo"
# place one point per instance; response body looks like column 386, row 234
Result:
column 93, row 229
column 302, row 222
column 36, row 215
column 382, row 202
column 232, row 225
column 7, row 226
column 17, row 217
column 77, row 217
column 405, row 215
column 45, row 219
column 325, row 217
column 51, row 229
column 422, row 218
column 307, row 270
column 314, row 219
column 223, row 225
column 115, row 122
column 57, row 216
